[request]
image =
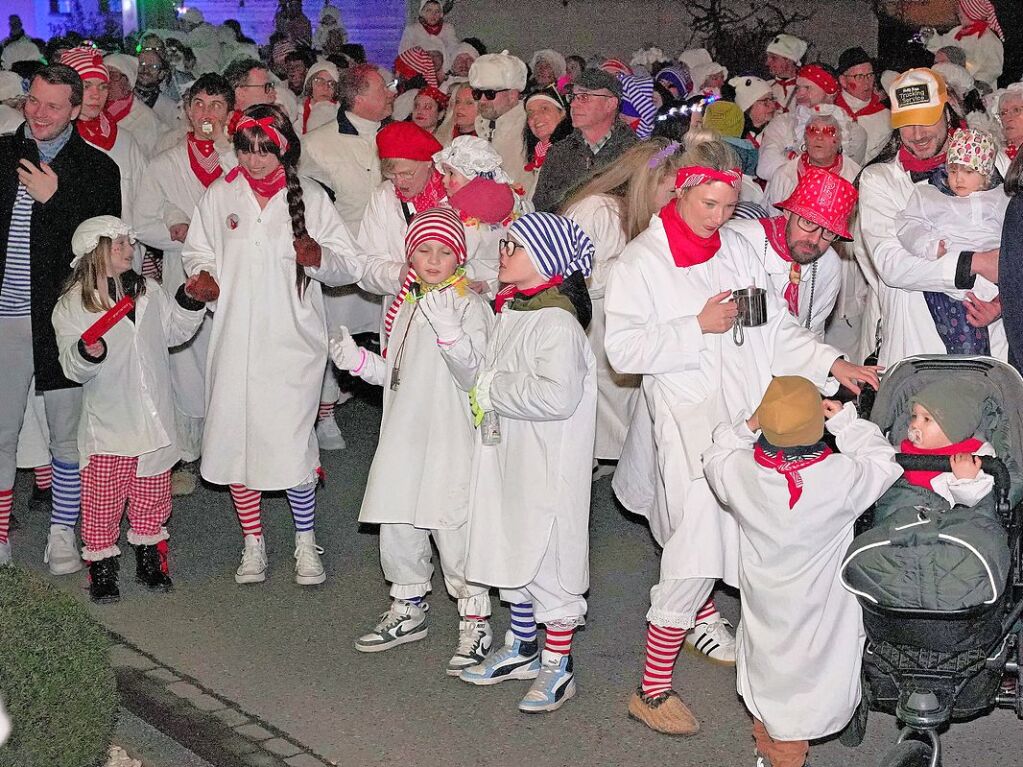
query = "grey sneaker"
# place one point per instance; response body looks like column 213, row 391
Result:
column 403, row 622
column 61, row 553
column 474, row 641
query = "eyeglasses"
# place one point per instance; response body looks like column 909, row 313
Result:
column 1010, row 114
column 150, row 67
column 864, row 76
column 586, row 97
column 508, row 247
column 767, row 101
column 821, row 130
column 486, row 93
column 404, row 175
column 811, row 228
column 323, row 81
column 268, row 88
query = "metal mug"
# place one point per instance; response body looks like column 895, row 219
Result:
column 752, row 306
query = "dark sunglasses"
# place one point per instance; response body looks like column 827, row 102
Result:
column 488, row 93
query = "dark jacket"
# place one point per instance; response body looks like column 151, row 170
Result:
column 570, row 161
column 1010, row 279
column 89, row 184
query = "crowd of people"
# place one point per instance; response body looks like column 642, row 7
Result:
column 204, row 241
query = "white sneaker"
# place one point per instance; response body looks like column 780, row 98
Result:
column 404, row 622
column 253, row 566
column 474, row 641
column 329, row 435
column 308, row 568
column 5, row 553
column 61, row 553
column 714, row 640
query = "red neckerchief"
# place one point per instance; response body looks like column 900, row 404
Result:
column 431, row 196
column 100, row 132
column 789, row 468
column 774, row 228
column 687, row 247
column 804, row 163
column 539, row 155
column 1011, row 151
column 118, row 110
column 432, row 29
column 924, row 478
column 268, row 186
column 754, row 139
column 915, row 165
column 508, row 292
column 872, row 108
column 976, row 29
column 307, row 107
column 203, row 159
column 785, row 84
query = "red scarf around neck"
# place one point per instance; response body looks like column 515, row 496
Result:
column 976, row 29
column 924, row 478
column 687, row 247
column 873, row 106
column 774, row 228
column 1011, row 151
column 268, row 186
column 432, row 29
column 203, row 159
column 508, row 292
column 539, row 155
column 789, row 468
column 915, row 165
column 118, row 110
column 101, row 132
column 431, row 196
column 804, row 163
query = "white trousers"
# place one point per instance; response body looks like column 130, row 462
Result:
column 552, row 603
column 675, row 603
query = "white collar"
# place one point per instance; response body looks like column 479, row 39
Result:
column 852, row 101
column 366, row 128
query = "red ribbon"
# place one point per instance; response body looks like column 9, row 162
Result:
column 686, row 178
column 266, row 124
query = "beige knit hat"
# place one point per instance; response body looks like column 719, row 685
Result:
column 790, row 414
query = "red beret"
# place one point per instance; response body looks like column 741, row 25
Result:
column 406, row 141
column 820, row 77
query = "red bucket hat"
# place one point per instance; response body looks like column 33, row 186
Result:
column 406, row 141
column 825, row 199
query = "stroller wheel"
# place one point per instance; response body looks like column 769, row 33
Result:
column 908, row 753
column 853, row 733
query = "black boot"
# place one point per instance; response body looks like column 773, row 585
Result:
column 40, row 500
column 103, row 580
column 151, row 567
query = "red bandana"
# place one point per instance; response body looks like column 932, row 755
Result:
column 100, row 132
column 915, row 165
column 432, row 29
column 118, row 110
column 789, row 468
column 804, row 164
column 687, row 247
column 204, row 160
column 774, row 228
column 976, row 29
column 1011, row 152
column 433, row 194
column 539, row 155
column 924, row 478
column 232, row 121
column 268, row 186
column 508, row 292
column 872, row 108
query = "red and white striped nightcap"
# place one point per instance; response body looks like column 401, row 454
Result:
column 87, row 62
column 437, row 225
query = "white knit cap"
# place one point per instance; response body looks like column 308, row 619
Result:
column 788, row 47
column 702, row 71
column 552, row 57
column 498, row 71
column 694, row 57
column 467, row 49
column 10, row 86
column 126, row 65
column 749, row 90
column 806, row 115
column 86, row 236
column 322, row 65
column 956, row 77
column 472, row 156
column 422, row 4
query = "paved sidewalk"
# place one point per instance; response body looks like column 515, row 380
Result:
column 282, row 657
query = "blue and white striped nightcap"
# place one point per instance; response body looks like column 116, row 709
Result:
column 638, row 102
column 555, row 244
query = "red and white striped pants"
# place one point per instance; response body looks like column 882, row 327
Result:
column 107, row 483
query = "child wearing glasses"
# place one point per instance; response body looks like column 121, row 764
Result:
column 961, row 208
column 536, row 398
column 418, row 485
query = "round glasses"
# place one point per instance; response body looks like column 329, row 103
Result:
column 508, row 247
column 811, row 228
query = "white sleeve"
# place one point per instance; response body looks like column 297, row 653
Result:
column 199, row 251
column 916, row 229
column 373, row 369
column 340, row 263
column 69, row 327
column 872, row 454
column 464, row 356
column 774, row 148
column 965, row 492
column 179, row 323
column 729, row 440
column 381, row 273
column 151, row 212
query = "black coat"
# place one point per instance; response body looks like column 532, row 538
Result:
column 1010, row 279
column 89, row 184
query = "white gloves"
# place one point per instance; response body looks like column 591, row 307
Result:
column 347, row 354
column 442, row 310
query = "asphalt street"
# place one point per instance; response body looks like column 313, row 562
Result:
column 285, row 653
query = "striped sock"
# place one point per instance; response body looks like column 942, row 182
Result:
column 44, row 476
column 559, row 640
column 67, row 494
column 326, row 411
column 6, row 501
column 523, row 624
column 708, row 613
column 303, row 507
column 246, row 506
column 662, row 646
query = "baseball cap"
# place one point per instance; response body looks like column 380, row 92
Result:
column 918, row 97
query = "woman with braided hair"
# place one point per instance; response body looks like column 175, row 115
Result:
column 268, row 239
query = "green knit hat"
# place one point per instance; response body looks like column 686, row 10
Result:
column 724, row 117
column 953, row 404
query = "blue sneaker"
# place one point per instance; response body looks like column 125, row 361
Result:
column 516, row 660
column 553, row 685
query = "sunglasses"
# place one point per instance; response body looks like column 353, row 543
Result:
column 822, row 130
column 508, row 247
column 487, row 93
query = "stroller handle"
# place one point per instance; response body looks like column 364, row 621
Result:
column 988, row 463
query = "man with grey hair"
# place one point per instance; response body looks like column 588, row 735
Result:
column 497, row 81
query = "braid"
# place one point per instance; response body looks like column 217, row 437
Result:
column 296, row 207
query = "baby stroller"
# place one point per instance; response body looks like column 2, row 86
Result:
column 960, row 658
